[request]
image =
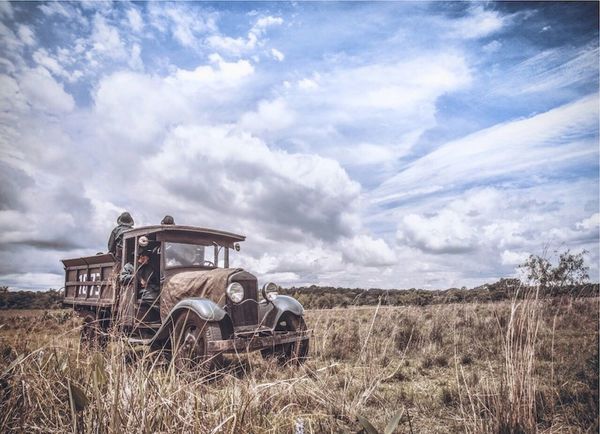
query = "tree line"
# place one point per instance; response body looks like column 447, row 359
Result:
column 568, row 277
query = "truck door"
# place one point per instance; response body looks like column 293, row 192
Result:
column 127, row 292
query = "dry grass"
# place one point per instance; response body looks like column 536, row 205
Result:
column 478, row 368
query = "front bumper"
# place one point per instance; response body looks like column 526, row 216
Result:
column 257, row 342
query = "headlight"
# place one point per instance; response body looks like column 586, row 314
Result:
column 235, row 292
column 269, row 291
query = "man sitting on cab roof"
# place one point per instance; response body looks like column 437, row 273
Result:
column 115, row 241
column 167, row 220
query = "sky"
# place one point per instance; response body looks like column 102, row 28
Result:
column 355, row 144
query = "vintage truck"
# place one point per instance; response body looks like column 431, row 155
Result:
column 204, row 308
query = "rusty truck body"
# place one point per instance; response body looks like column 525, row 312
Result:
column 204, row 308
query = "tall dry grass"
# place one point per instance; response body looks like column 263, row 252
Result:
column 504, row 367
column 505, row 402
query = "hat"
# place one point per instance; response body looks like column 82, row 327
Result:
column 146, row 252
column 167, row 220
column 125, row 218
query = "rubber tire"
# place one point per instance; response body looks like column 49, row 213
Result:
column 190, row 343
column 292, row 353
column 92, row 334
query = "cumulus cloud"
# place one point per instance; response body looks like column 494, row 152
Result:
column 283, row 192
column 367, row 251
column 186, row 25
column 161, row 102
column 106, row 40
column 445, row 232
column 497, row 228
column 44, row 93
column 509, row 257
column 270, row 116
column 244, row 45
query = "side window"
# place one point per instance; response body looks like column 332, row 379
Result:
column 130, row 251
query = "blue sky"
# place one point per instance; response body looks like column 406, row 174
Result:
column 384, row 144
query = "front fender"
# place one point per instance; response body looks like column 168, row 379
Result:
column 204, row 308
column 272, row 312
column 285, row 303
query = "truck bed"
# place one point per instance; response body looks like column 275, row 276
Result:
column 88, row 281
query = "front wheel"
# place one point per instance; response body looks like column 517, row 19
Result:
column 190, row 339
column 291, row 352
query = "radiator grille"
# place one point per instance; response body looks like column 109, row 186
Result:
column 246, row 312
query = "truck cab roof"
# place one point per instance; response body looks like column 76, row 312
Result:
column 186, row 234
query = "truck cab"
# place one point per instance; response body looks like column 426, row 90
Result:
column 203, row 307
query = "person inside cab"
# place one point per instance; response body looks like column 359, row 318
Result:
column 148, row 277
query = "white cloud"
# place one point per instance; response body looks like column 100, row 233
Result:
column 12, row 100
column 367, row 251
column 33, row 281
column 509, row 257
column 492, row 47
column 9, row 39
column 44, row 93
column 106, row 40
column 284, row 193
column 270, row 116
column 26, row 35
column 135, row 60
column 307, row 83
column 180, row 97
column 278, row 55
column 590, row 223
column 445, row 232
column 478, row 24
column 555, row 138
column 43, row 58
column 551, row 70
column 6, row 10
column 185, row 24
column 268, row 21
column 135, row 20
column 487, row 231
column 65, row 10
column 236, row 46
column 242, row 45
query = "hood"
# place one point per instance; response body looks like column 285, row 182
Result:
column 209, row 284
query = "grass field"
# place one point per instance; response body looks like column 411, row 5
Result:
column 498, row 367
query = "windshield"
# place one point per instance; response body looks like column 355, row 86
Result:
column 187, row 255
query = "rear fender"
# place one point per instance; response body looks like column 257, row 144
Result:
column 282, row 304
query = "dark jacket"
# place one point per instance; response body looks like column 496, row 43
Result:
column 115, row 241
column 149, row 281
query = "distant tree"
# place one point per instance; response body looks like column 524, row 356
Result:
column 570, row 270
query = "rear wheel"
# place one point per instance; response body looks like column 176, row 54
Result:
column 293, row 352
column 190, row 343
column 92, row 332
